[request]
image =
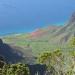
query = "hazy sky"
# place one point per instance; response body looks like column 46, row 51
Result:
column 27, row 15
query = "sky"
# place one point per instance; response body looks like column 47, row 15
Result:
column 18, row 16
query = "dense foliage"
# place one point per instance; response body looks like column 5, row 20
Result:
column 14, row 69
column 58, row 62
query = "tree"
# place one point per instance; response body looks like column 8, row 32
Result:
column 52, row 60
column 15, row 69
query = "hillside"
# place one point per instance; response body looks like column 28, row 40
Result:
column 65, row 33
column 14, row 54
column 43, row 39
column 38, row 40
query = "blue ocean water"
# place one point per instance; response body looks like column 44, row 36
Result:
column 18, row 16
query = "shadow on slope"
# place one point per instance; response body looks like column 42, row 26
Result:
column 10, row 54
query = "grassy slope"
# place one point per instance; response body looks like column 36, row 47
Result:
column 44, row 39
column 38, row 43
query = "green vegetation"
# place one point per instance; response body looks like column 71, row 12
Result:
column 58, row 61
column 15, row 69
column 52, row 45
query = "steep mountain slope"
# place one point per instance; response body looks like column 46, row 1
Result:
column 10, row 54
column 60, row 35
column 38, row 40
column 65, row 33
column 43, row 32
column 43, row 39
column 14, row 54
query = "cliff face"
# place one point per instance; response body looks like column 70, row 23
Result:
column 65, row 33
column 10, row 54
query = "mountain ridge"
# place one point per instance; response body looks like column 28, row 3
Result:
column 44, row 39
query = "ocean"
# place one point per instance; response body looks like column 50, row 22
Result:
column 17, row 16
